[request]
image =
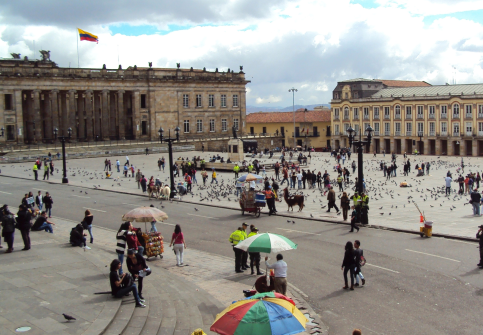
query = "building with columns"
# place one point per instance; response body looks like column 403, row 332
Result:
column 409, row 115
column 101, row 104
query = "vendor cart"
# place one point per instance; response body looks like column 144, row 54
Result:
column 252, row 202
column 153, row 244
column 427, row 229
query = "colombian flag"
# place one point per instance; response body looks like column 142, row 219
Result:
column 85, row 36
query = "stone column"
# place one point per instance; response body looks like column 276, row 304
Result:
column 47, row 118
column 403, row 145
column 37, row 132
column 89, row 114
column 136, row 115
column 450, row 147
column 54, row 94
column 17, row 107
column 81, row 115
column 474, row 146
column 113, row 124
column 72, row 114
column 121, row 114
column 63, row 114
column 438, row 147
column 426, row 149
column 105, row 115
column 96, row 101
column 29, row 115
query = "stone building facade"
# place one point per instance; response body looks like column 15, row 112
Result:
column 100, row 104
column 409, row 115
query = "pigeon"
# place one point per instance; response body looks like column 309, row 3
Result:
column 68, row 317
column 196, row 209
column 289, row 221
column 311, row 216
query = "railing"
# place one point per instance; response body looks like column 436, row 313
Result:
column 336, row 117
column 480, row 116
column 420, row 116
column 387, row 133
column 432, row 116
column 376, row 116
column 469, row 133
column 346, row 117
column 409, row 133
column 376, row 133
column 432, row 133
column 480, row 133
column 456, row 133
column 366, row 117
column 397, row 133
column 356, row 117
column 397, row 116
column 409, row 116
column 444, row 133
column 469, row 116
column 308, row 134
column 336, row 133
column 444, row 116
column 387, row 117
column 456, row 116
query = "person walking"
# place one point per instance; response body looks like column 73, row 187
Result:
column 285, row 176
column 46, row 171
column 254, row 256
column 35, row 170
column 354, row 220
column 39, row 201
column 139, row 176
column 213, row 176
column 235, row 238
column 339, row 182
column 280, row 269
column 118, row 165
column 24, row 217
column 87, row 223
column 116, row 278
column 448, row 181
column 270, row 198
column 179, row 244
column 360, row 261
column 48, row 203
column 204, row 175
column 344, row 205
column 331, row 199
column 136, row 265
column 475, row 201
column 479, row 236
column 51, row 165
column 8, row 227
column 348, row 265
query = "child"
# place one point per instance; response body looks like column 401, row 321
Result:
column 353, row 220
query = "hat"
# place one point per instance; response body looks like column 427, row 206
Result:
column 130, row 252
column 244, row 224
column 269, row 186
column 254, row 229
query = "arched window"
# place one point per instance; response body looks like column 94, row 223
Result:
column 456, row 110
column 397, row 112
column 346, row 113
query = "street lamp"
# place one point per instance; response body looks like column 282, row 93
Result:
column 170, row 147
column 359, row 145
column 420, row 134
column 62, row 140
column 293, row 90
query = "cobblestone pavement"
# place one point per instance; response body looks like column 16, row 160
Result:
column 390, row 205
column 37, row 286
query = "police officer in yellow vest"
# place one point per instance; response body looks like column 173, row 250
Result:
column 202, row 164
column 35, row 169
column 235, row 238
column 254, row 256
column 357, row 205
column 339, row 182
column 244, row 260
column 364, row 209
column 236, row 169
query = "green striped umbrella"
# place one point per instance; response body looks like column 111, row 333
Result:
column 266, row 243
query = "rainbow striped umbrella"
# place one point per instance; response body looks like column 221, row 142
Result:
column 262, row 314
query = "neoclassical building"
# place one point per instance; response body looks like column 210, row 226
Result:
column 100, row 104
column 410, row 115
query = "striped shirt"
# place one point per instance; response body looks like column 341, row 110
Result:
column 121, row 241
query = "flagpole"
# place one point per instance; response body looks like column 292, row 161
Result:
column 77, row 38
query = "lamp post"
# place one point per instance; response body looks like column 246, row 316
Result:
column 170, row 147
column 293, row 90
column 359, row 145
column 420, row 135
column 62, row 140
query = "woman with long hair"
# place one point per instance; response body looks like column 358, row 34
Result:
column 87, row 223
column 179, row 244
column 119, row 290
column 348, row 264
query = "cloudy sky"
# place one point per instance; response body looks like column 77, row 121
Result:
column 306, row 44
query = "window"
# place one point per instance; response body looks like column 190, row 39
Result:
column 420, row 128
column 444, row 111
column 469, row 111
column 432, row 112
column 336, row 95
column 409, row 112
column 409, row 128
column 252, row 130
column 387, row 128
column 186, row 126
column 346, row 126
column 199, row 126
column 356, row 113
column 444, row 128
column 346, row 113
column 198, row 100
column 356, row 95
column 456, row 129
column 365, row 111
column 336, row 128
column 235, row 100
column 432, row 129
column 376, row 129
column 223, row 125
column 143, row 100
column 480, row 110
column 397, row 112
column 420, row 112
column 144, row 127
column 336, row 113
column 469, row 128
column 376, row 112
column 235, row 123
column 356, row 129
column 211, row 100
column 212, row 125
column 480, row 128
column 456, row 111
column 264, row 130
column 386, row 113
column 223, row 100
column 282, row 131
column 346, row 95
column 365, row 126
column 186, row 101
column 397, row 128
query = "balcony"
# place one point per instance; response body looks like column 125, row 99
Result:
column 420, row 116
column 336, row 117
column 444, row 116
column 376, row 116
column 409, row 116
column 387, row 117
column 409, row 133
column 366, row 117
column 480, row 133
column 397, row 133
column 468, row 116
column 480, row 116
column 397, row 116
column 356, row 117
column 444, row 133
column 336, row 133
column 432, row 116
column 456, row 134
column 387, row 133
column 469, row 133
column 456, row 116
column 346, row 117
column 432, row 133
column 376, row 132
column 309, row 134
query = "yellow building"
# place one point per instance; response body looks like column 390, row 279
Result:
column 312, row 128
column 409, row 115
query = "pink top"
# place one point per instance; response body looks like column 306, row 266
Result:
column 178, row 238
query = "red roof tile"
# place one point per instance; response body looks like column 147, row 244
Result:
column 283, row 117
column 403, row 83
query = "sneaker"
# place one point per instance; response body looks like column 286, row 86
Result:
column 356, row 284
column 88, row 248
column 363, row 281
column 141, row 305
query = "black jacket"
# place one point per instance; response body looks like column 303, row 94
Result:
column 48, row 201
column 349, row 258
column 77, row 235
column 23, row 219
column 475, row 197
column 8, row 224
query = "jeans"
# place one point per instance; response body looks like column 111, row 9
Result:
column 40, row 207
column 284, row 179
column 300, row 184
column 179, row 249
column 347, row 269
column 292, row 183
column 49, row 211
column 140, row 250
column 476, row 208
column 118, row 169
column 47, row 227
column 120, row 257
column 89, row 229
column 448, row 190
column 238, row 191
column 358, row 274
column 125, row 290
column 153, row 227
column 194, row 179
column 214, row 179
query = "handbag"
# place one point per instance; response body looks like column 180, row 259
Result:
column 128, row 280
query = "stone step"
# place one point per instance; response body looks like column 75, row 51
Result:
column 122, row 317
column 105, row 318
column 138, row 320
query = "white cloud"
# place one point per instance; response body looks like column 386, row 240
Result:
column 270, row 99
